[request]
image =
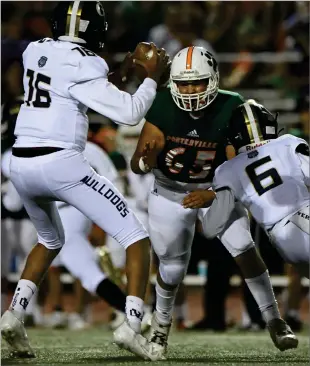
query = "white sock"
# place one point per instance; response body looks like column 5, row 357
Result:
column 32, row 304
column 4, row 301
column 134, row 312
column 164, row 304
column 262, row 292
column 24, row 291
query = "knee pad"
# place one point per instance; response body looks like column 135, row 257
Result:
column 173, row 273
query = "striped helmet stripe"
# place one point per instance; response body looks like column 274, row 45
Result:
column 189, row 57
column 253, row 128
column 73, row 19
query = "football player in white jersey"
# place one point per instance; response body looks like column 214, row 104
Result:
column 63, row 77
column 270, row 177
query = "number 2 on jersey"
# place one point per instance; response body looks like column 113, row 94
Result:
column 257, row 179
column 42, row 97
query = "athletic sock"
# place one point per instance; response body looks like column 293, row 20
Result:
column 134, row 312
column 24, row 291
column 164, row 304
column 112, row 294
column 262, row 292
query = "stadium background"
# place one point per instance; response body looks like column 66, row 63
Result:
column 263, row 52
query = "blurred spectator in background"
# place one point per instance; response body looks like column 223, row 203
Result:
column 292, row 298
column 182, row 26
column 131, row 22
column 220, row 25
column 12, row 47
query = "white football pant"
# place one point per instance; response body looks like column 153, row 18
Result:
column 118, row 254
column 291, row 239
column 78, row 255
column 172, row 229
column 67, row 176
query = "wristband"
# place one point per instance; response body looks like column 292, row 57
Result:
column 143, row 167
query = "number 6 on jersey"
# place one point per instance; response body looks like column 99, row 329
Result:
column 257, row 179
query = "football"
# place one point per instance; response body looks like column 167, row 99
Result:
column 144, row 52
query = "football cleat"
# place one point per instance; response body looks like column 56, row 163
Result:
column 126, row 338
column 56, row 320
column 76, row 322
column 282, row 335
column 159, row 335
column 146, row 322
column 14, row 333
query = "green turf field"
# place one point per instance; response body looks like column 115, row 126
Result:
column 94, row 347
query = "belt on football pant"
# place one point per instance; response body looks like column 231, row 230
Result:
column 32, row 152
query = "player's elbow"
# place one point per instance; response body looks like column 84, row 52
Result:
column 128, row 119
column 209, row 233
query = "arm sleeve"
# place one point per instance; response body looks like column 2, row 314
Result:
column 92, row 88
column 218, row 214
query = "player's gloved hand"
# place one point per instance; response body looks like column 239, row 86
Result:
column 198, row 199
column 149, row 154
column 156, row 65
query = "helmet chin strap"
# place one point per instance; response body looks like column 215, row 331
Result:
column 253, row 146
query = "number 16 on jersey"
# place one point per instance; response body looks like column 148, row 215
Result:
column 38, row 97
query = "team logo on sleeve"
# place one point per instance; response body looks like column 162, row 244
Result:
column 42, row 61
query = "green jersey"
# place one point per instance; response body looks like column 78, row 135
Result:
column 194, row 148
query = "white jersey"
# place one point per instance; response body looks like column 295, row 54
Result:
column 270, row 181
column 61, row 81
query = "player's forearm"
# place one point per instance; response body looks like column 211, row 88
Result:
column 121, row 107
column 218, row 214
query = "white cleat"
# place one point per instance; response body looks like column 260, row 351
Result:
column 126, row 338
column 146, row 323
column 159, row 334
column 56, row 320
column 14, row 333
column 118, row 319
column 76, row 322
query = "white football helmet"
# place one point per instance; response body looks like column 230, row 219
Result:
column 194, row 63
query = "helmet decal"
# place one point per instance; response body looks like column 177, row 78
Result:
column 100, row 9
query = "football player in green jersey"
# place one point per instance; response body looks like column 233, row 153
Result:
column 183, row 140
